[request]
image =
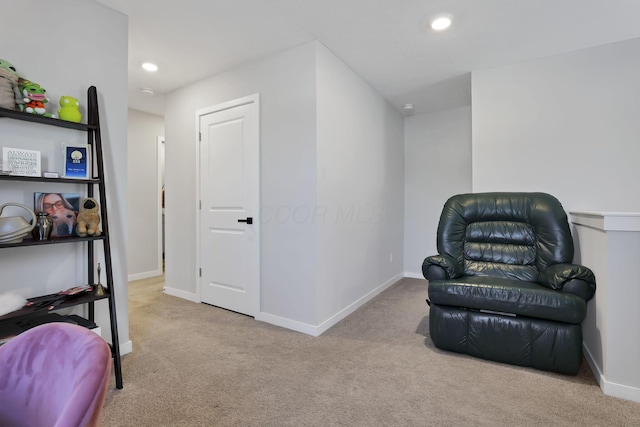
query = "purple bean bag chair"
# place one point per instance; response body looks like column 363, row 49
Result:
column 54, row 375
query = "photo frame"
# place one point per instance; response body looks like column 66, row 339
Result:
column 77, row 161
column 63, row 211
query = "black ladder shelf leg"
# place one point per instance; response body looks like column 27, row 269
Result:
column 95, row 137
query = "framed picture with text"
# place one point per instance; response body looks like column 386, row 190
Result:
column 21, row 162
column 77, row 161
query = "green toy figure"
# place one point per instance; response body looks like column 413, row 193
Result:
column 69, row 109
column 9, row 91
column 34, row 98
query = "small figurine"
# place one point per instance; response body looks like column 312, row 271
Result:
column 34, row 98
column 69, row 109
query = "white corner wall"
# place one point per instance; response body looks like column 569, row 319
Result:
column 98, row 57
column 286, row 84
column 609, row 243
column 331, row 186
column 437, row 161
column 359, row 211
column 567, row 125
column 143, row 240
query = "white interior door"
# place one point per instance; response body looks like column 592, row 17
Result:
column 229, row 202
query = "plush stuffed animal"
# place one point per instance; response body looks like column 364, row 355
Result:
column 69, row 109
column 88, row 218
column 34, row 98
column 11, row 301
column 8, row 85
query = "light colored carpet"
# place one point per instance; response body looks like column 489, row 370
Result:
column 198, row 365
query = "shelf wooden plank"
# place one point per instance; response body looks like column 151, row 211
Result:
column 52, row 180
column 53, row 241
column 32, row 311
column 34, row 118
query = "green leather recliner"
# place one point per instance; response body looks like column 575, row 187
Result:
column 503, row 286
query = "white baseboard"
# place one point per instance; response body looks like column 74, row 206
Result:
column 597, row 372
column 356, row 305
column 610, row 388
column 126, row 348
column 319, row 329
column 145, row 275
column 181, row 294
column 620, row 390
column 414, row 275
column 283, row 322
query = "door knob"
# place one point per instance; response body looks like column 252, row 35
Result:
column 248, row 220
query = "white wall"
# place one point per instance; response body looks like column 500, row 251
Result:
column 437, row 162
column 98, row 57
column 143, row 239
column 360, row 189
column 331, row 185
column 610, row 246
column 566, row 124
column 286, row 84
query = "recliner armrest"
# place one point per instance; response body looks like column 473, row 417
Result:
column 571, row 278
column 440, row 267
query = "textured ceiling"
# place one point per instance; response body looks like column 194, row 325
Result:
column 387, row 42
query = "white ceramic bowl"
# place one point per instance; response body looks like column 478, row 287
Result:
column 10, row 226
column 14, row 239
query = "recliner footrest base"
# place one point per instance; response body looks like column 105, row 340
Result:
column 541, row 344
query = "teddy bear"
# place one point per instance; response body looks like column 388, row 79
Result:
column 8, row 85
column 88, row 218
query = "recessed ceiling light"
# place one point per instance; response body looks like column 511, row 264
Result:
column 441, row 23
column 149, row 66
column 147, row 91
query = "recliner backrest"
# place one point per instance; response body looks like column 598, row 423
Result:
column 511, row 235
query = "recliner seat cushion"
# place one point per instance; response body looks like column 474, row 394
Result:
column 508, row 296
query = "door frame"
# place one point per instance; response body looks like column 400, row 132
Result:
column 251, row 99
column 160, row 147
